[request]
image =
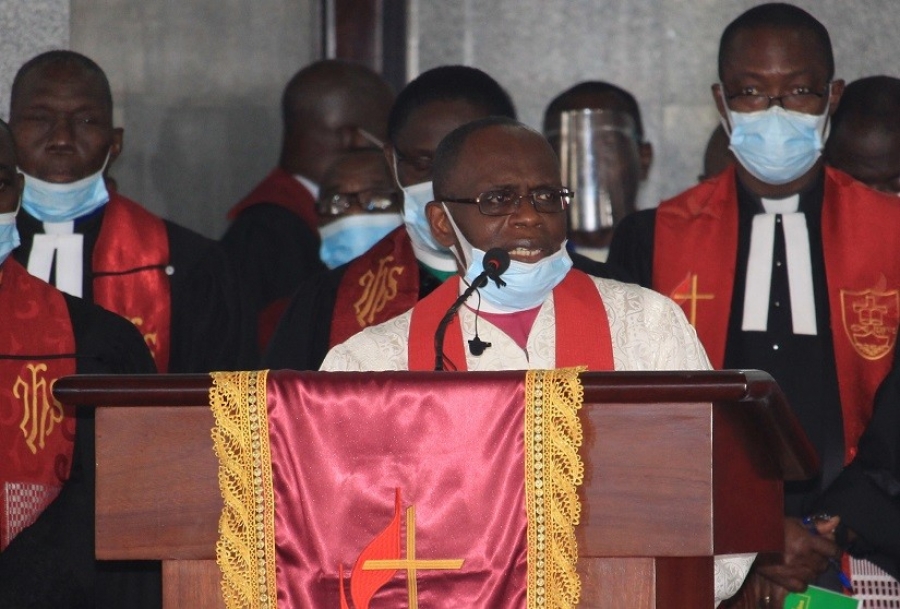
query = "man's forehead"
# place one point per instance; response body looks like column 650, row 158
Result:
column 490, row 153
column 53, row 78
column 767, row 45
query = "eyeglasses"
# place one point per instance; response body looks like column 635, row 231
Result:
column 339, row 203
column 505, row 202
column 800, row 99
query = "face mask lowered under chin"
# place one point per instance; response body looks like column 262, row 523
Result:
column 777, row 146
column 51, row 202
column 527, row 284
column 9, row 235
column 351, row 236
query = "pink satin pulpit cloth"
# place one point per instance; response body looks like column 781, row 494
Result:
column 351, row 490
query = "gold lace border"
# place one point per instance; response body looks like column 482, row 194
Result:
column 553, row 474
column 245, row 551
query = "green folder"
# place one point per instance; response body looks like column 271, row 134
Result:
column 819, row 598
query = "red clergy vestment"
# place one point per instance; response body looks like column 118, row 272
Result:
column 130, row 262
column 582, row 328
column 695, row 254
column 37, row 346
column 377, row 286
column 282, row 189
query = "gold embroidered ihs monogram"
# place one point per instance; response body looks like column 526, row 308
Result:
column 379, row 288
column 40, row 412
column 150, row 338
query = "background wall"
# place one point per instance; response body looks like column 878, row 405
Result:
column 28, row 27
column 663, row 51
column 197, row 86
column 197, row 82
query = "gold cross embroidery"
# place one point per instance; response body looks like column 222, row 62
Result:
column 410, row 564
column 693, row 296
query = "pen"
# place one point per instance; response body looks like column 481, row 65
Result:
column 810, row 523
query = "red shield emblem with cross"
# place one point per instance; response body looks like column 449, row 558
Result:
column 870, row 320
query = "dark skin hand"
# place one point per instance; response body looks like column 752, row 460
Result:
column 805, row 557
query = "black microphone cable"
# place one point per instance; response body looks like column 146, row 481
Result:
column 496, row 261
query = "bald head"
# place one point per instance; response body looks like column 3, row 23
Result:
column 450, row 150
column 325, row 107
column 865, row 133
column 61, row 60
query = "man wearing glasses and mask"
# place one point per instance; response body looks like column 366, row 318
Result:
column 788, row 266
column 358, row 204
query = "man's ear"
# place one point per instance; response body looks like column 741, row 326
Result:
column 834, row 99
column 645, row 152
column 441, row 228
column 116, row 148
column 719, row 98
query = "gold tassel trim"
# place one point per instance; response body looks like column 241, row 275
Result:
column 245, row 551
column 553, row 474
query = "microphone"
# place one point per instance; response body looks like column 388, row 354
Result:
column 495, row 263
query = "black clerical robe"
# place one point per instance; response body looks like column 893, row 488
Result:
column 273, row 243
column 207, row 328
column 51, row 563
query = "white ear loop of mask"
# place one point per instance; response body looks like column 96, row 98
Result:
column 461, row 256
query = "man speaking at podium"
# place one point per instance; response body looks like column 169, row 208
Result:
column 497, row 185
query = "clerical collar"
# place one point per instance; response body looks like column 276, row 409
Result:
column 308, row 184
column 441, row 276
column 789, row 213
column 61, row 243
column 810, row 197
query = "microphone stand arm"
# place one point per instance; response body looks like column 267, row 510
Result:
column 479, row 282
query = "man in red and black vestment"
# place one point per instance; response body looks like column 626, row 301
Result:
column 46, row 449
column 788, row 266
column 176, row 286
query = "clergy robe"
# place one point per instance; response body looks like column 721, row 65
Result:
column 51, row 563
column 273, row 243
column 206, row 321
column 305, row 332
column 648, row 332
column 803, row 365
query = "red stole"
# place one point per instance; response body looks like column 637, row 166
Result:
column 283, row 189
column 582, row 328
column 129, row 266
column 376, row 287
column 37, row 346
column 695, row 251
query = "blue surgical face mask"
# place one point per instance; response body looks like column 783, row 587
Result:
column 527, row 284
column 350, row 236
column 50, row 202
column 425, row 246
column 776, row 146
column 9, row 234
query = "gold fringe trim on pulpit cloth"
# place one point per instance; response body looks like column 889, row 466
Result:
column 245, row 551
column 553, row 474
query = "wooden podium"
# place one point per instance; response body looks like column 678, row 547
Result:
column 679, row 466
